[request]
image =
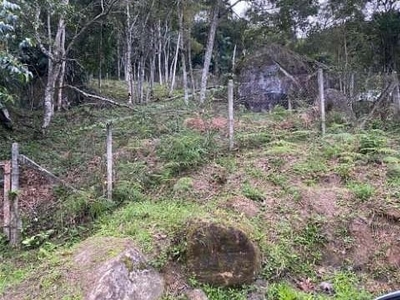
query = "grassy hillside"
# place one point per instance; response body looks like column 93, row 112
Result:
column 322, row 209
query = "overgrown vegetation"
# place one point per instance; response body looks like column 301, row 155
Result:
column 307, row 193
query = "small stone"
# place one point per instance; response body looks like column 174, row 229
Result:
column 196, row 294
column 326, row 287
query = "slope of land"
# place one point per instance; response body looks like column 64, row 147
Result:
column 322, row 209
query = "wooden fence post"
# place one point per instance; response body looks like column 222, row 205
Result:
column 351, row 87
column 6, row 199
column 15, row 221
column 322, row 99
column 109, row 162
column 230, row 110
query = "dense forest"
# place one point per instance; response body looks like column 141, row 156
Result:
column 48, row 48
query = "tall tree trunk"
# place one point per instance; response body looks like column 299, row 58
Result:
column 183, row 54
column 174, row 64
column 166, row 55
column 100, row 53
column 128, row 57
column 209, row 51
column 48, row 97
column 152, row 71
column 159, row 53
column 53, row 71
column 189, row 53
column 118, row 58
column 141, row 73
column 233, row 60
column 62, row 71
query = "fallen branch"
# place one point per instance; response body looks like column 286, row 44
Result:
column 100, row 98
column 288, row 75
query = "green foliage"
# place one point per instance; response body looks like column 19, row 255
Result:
column 11, row 68
column 311, row 235
column 126, row 191
column 283, row 291
column 253, row 139
column 346, row 287
column 183, row 185
column 281, row 259
column 279, row 113
column 362, row 191
column 137, row 173
column 252, row 192
column 371, row 142
column 344, row 170
column 393, row 172
column 339, row 145
column 183, row 151
column 281, row 147
column 218, row 293
column 278, row 179
column 344, row 284
column 311, row 167
column 80, row 207
column 37, row 239
column 9, row 275
column 142, row 220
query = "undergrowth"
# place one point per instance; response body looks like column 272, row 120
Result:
column 158, row 163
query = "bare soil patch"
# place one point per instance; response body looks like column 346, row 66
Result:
column 36, row 191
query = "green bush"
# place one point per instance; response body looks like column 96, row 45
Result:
column 127, row 191
column 372, row 141
column 344, row 170
column 184, row 150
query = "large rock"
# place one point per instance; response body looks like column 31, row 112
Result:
column 338, row 102
column 114, row 269
column 5, row 118
column 221, row 256
column 270, row 76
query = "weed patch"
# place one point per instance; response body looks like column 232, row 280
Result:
column 362, row 191
column 185, row 150
column 252, row 192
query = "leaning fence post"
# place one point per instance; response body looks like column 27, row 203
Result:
column 109, row 162
column 6, row 199
column 15, row 221
column 230, row 110
column 322, row 99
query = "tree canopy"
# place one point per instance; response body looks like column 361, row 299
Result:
column 67, row 42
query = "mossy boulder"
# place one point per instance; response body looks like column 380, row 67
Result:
column 221, row 255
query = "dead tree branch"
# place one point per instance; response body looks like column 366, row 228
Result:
column 99, row 98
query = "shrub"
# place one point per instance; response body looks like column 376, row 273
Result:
column 393, row 172
column 127, row 191
column 185, row 150
column 372, row 141
column 252, row 193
